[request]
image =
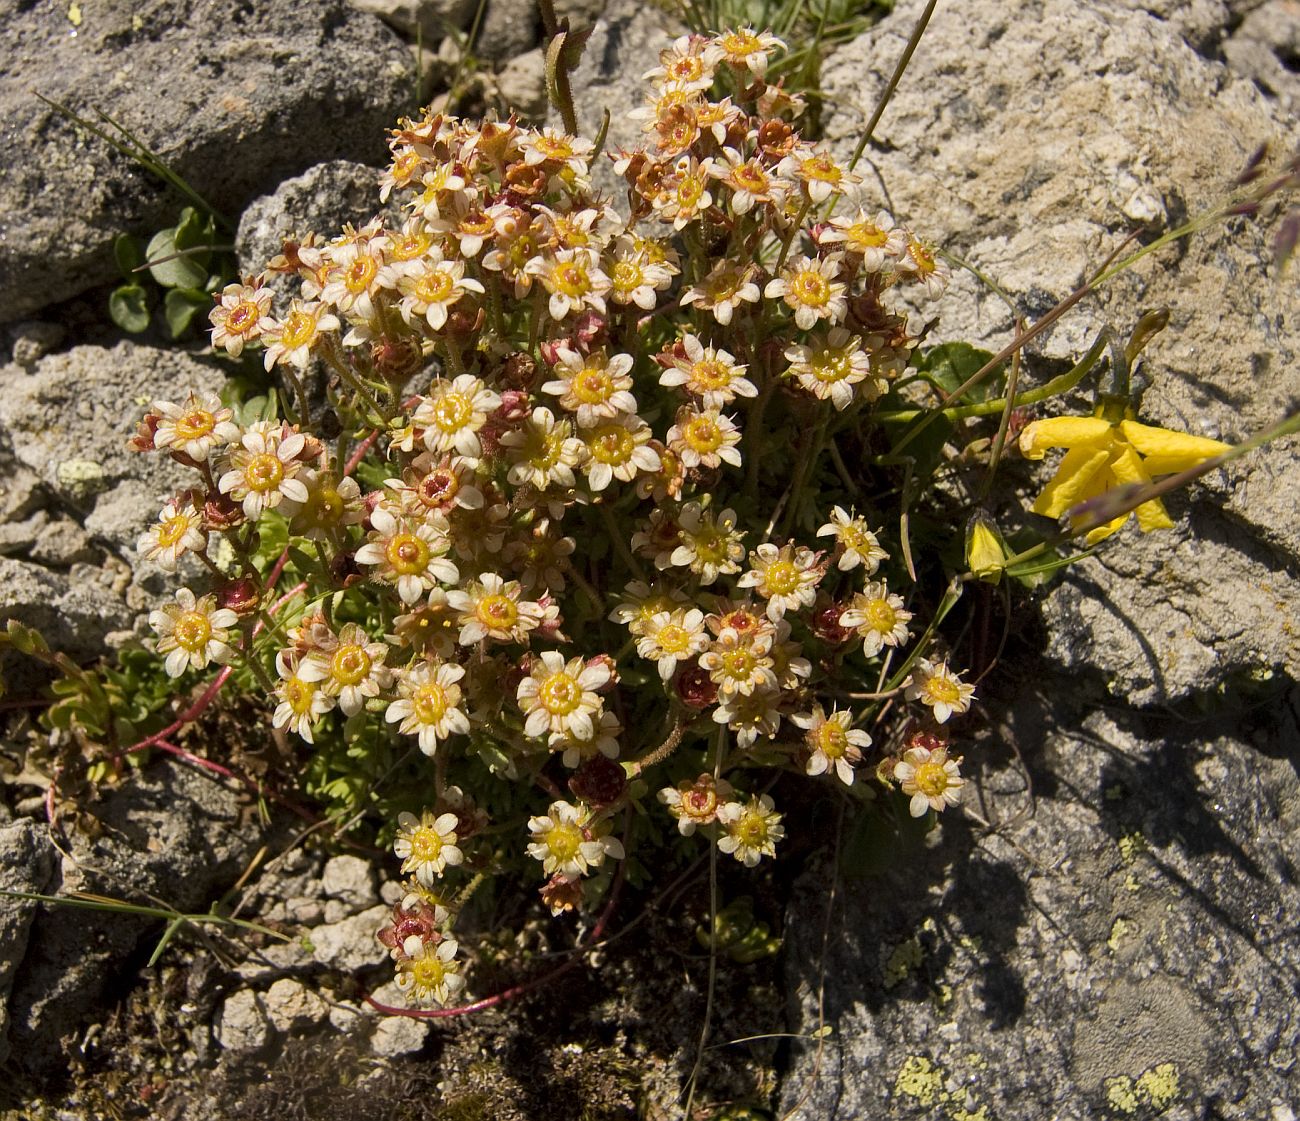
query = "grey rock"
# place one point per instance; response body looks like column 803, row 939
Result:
column 54, row 542
column 242, row 1024
column 174, row 833
column 580, row 13
column 398, row 1035
column 350, row 879
column 350, row 945
column 521, row 86
column 509, row 28
column 321, row 200
column 21, row 493
column 73, row 615
column 1121, row 946
column 68, row 421
column 1265, row 47
column 26, row 864
column 272, row 962
column 232, row 115
column 1060, row 120
column 33, row 339
column 625, row 42
column 291, row 1005
column 430, row 19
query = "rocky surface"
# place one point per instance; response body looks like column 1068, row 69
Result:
column 75, row 500
column 1029, row 138
column 232, row 114
column 1122, row 947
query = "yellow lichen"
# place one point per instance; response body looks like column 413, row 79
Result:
column 920, row 1079
column 905, row 957
column 1159, row 1086
column 1119, row 930
column 1131, row 845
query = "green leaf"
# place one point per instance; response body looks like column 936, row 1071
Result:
column 948, row 366
column 180, row 306
column 128, row 255
column 169, row 263
column 128, row 307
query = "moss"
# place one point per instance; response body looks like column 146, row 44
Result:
column 906, row 956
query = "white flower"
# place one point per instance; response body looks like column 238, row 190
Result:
column 752, row 829
column 704, row 438
column 671, row 637
column 812, row 289
column 831, row 365
column 566, row 841
column 352, row 668
column 193, row 632
column 710, row 546
column 264, row 469
column 560, row 696
column 878, row 616
column 489, row 607
column 242, row 314
column 430, row 969
column 196, row 427
column 617, row 449
column 452, row 414
column 431, row 286
column 426, row 845
column 711, row 374
column 858, row 545
column 941, row 689
column 787, row 577
column 179, row 530
column 292, row 341
column 409, row 553
column 832, row 743
column 428, row 704
column 595, row 387
column 930, row 778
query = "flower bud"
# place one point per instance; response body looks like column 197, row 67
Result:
column 986, row 553
column 599, row 781
column 695, row 687
column 221, row 513
column 242, row 596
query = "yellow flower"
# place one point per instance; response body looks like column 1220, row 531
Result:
column 1102, row 456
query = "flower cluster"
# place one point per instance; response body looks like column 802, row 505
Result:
column 552, row 529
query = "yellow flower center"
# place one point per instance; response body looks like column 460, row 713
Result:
column 674, row 639
column 428, row 972
column 324, row 506
column 453, row 411
column 560, row 694
column 942, row 690
column 811, row 288
column 426, row 844
column 752, row 830
column 612, row 444
column 264, row 473
column 782, row 578
column 689, row 191
column 298, row 694
column 406, row 165
column 195, row 424
column 476, row 224
column 880, row 615
column 564, row 840
column 592, row 387
column 552, row 148
column 688, row 69
column 434, row 287
column 407, row 553
column 819, row 167
column 627, row 276
column 242, row 318
column 360, row 273
column 830, row 366
column 711, row 547
column 571, row 279
column 299, row 330
column 700, row 803
column 865, row 235
column 832, row 740
column 430, row 704
column 738, row 664
column 931, row 779
column 749, row 177
column 922, row 257
column 709, row 373
column 350, row 664
column 411, row 246
column 172, row 530
column 703, row 434
column 192, row 631
column 497, row 612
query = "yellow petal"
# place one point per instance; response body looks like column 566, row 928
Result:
column 1061, row 432
column 1176, row 451
column 1128, row 468
column 1071, row 483
column 1105, row 530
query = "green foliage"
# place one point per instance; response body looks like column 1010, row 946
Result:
column 184, row 262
